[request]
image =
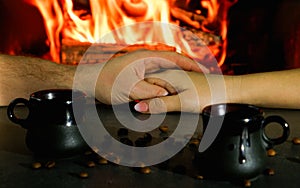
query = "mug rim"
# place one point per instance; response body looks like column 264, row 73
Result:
column 49, row 94
column 241, row 115
column 223, row 110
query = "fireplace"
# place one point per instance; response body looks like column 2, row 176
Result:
column 264, row 35
column 245, row 36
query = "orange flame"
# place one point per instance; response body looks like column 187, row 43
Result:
column 218, row 12
column 62, row 20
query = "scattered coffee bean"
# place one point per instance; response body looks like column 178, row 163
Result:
column 270, row 171
column 140, row 142
column 138, row 166
column 247, row 183
column 90, row 164
column 271, row 152
column 163, row 128
column 194, row 142
column 126, row 141
column 83, row 175
column 88, row 152
column 50, row 164
column 296, row 141
column 199, row 177
column 145, row 170
column 95, row 149
column 36, row 165
column 122, row 132
column 147, row 137
column 102, row 161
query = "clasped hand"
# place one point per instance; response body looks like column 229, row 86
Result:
column 122, row 79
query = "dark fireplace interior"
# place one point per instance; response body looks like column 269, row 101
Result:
column 262, row 35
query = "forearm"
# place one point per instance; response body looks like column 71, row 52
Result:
column 21, row 76
column 278, row 89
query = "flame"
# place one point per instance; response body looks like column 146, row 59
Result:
column 53, row 20
column 63, row 20
column 109, row 15
column 218, row 12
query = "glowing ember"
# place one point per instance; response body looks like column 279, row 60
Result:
column 88, row 21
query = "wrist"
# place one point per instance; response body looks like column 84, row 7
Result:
column 233, row 89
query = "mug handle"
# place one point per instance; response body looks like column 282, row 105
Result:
column 11, row 114
column 285, row 126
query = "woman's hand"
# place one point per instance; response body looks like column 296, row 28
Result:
column 189, row 91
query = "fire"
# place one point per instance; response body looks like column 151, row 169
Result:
column 106, row 16
column 218, row 12
column 95, row 18
column 53, row 20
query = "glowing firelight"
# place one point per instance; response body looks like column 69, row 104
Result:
column 63, row 20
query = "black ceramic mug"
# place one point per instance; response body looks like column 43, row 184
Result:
column 51, row 127
column 239, row 150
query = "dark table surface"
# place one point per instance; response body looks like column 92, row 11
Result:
column 16, row 160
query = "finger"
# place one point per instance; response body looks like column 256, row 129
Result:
column 145, row 90
column 172, row 60
column 162, row 83
column 159, row 105
column 185, row 62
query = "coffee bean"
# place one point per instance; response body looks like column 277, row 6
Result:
column 102, row 161
column 140, row 142
column 199, row 177
column 271, row 152
column 88, row 152
column 145, row 170
column 36, row 165
column 126, row 141
column 194, row 143
column 50, row 164
column 270, row 171
column 296, row 141
column 83, row 175
column 95, row 149
column 247, row 183
column 147, row 137
column 90, row 164
column 163, row 128
column 122, row 132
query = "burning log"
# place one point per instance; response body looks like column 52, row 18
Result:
column 73, row 52
column 187, row 17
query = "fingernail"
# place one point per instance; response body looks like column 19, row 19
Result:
column 163, row 93
column 141, row 107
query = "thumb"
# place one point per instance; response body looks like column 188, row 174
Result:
column 145, row 90
column 159, row 105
